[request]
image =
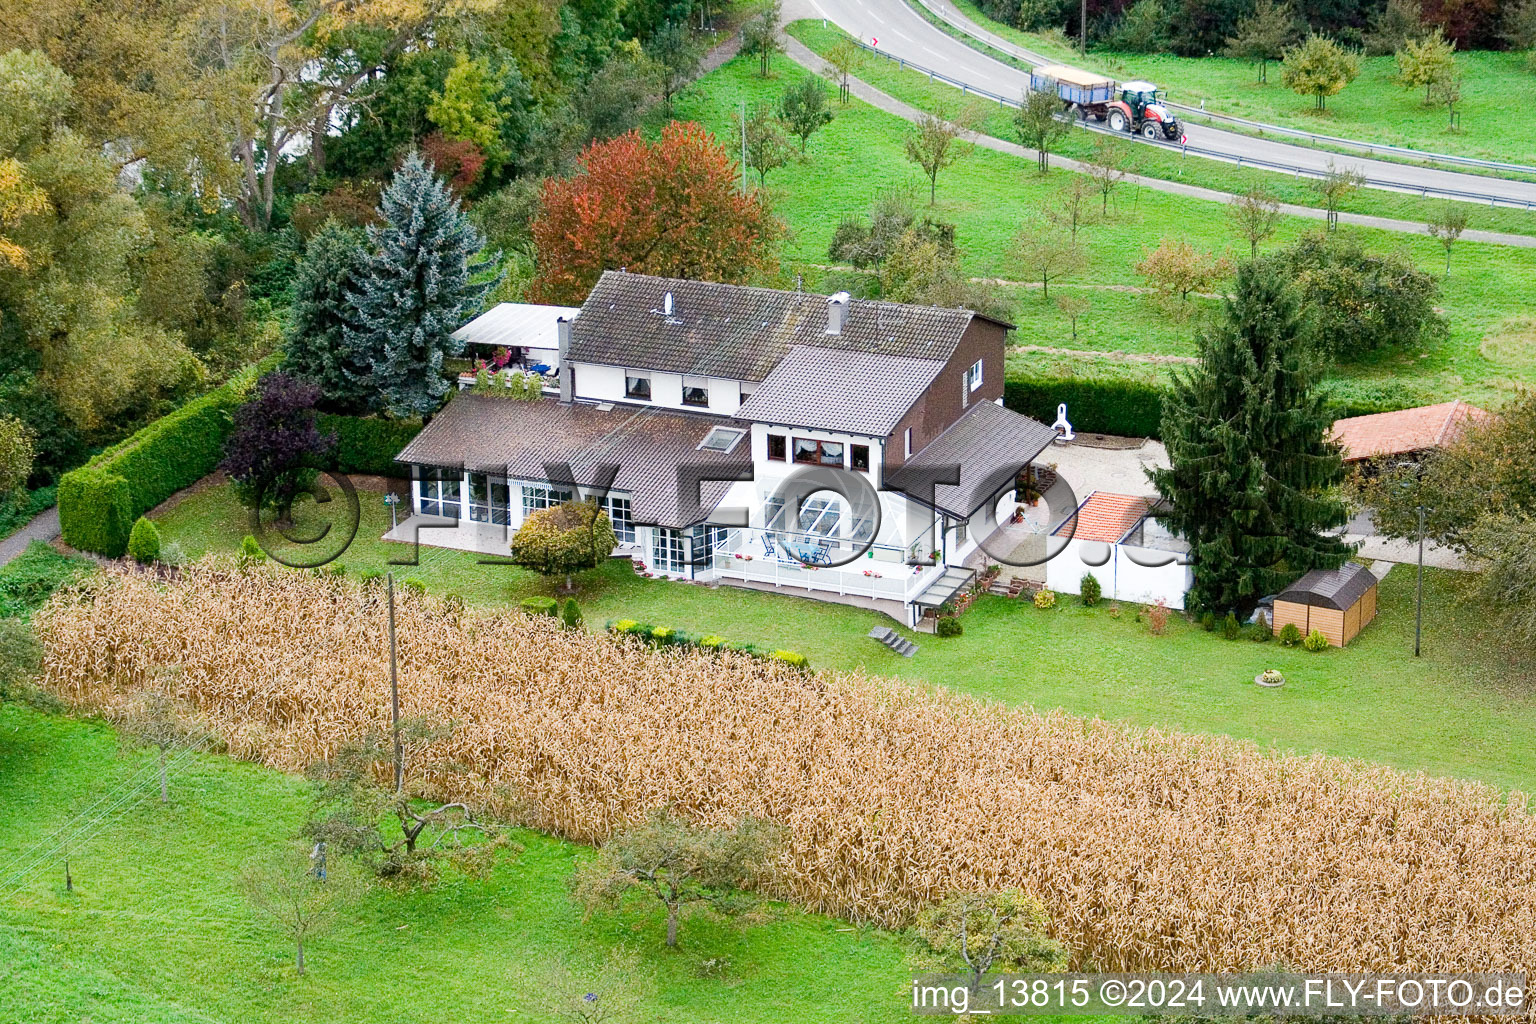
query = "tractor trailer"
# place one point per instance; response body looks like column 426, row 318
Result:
column 1126, row 107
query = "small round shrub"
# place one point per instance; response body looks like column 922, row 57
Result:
column 144, row 541
column 1045, row 598
column 415, row 587
column 794, row 659
column 250, row 550
column 1231, row 629
column 1315, row 641
column 1114, row 611
column 536, row 606
column 712, row 642
column 1208, row 621
column 1290, row 636
column 336, row 570
column 948, row 625
column 370, row 577
column 1271, row 677
column 665, row 636
column 570, row 614
column 622, row 626
column 1090, row 591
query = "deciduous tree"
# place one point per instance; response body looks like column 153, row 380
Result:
column 1447, row 228
column 1335, row 186
column 1038, row 124
column 760, row 36
column 762, row 136
column 18, row 449
column 844, row 58
column 1256, row 216
column 1427, row 62
column 1393, row 25
column 1106, row 168
column 670, row 208
column 1177, row 268
column 1319, row 67
column 1071, row 208
column 803, row 108
column 417, row 289
column 677, row 56
column 1074, row 307
column 275, row 448
column 1000, row 930
column 160, row 721
column 1045, row 252
column 1262, row 36
column 1254, row 477
column 935, row 141
column 679, row 864
column 283, row 888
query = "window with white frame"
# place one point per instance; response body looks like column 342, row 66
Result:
column 489, row 499
column 696, row 392
column 619, row 515
column 669, row 550
column 637, row 387
column 706, row 539
column 537, row 496
column 722, row 439
column 973, row 377
column 439, row 492
column 907, row 442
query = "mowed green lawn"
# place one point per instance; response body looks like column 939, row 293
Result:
column 1466, row 708
column 990, row 196
column 156, row 932
column 1373, row 108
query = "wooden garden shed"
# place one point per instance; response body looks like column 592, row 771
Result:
column 1339, row 603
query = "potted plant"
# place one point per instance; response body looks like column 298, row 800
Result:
column 1270, row 677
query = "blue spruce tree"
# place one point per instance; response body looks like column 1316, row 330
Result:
column 415, row 291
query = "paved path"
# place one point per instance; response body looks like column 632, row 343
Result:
column 806, row 57
column 904, row 33
column 44, row 527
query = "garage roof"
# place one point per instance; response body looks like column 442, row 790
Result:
column 1337, row 588
column 1105, row 517
column 1404, row 431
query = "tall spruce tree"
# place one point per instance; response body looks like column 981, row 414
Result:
column 415, row 291
column 1254, row 478
column 316, row 346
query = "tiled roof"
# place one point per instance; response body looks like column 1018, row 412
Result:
column 739, row 332
column 1404, row 431
column 984, row 449
column 1105, row 517
column 825, row 389
column 652, row 449
column 1331, row 588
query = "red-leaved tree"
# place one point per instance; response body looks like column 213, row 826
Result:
column 670, row 208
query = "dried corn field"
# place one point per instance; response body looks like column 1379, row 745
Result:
column 1151, row 850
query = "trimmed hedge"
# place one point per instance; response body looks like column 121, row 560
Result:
column 539, row 606
column 99, row 502
column 1133, row 407
column 1099, row 405
column 367, row 444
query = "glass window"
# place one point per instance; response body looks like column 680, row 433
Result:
column 695, row 394
column 489, row 500
column 776, row 447
column 619, row 514
column 637, row 387
column 721, row 439
column 537, row 496
column 907, row 446
column 973, row 377
column 706, row 539
column 439, row 493
column 820, row 453
column 859, row 456
column 668, row 552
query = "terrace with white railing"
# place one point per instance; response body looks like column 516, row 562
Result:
column 771, row 558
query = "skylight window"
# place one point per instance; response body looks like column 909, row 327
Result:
column 721, row 439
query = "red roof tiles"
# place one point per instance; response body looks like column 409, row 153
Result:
column 1404, row 431
column 1106, row 517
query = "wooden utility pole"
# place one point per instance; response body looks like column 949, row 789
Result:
column 394, row 691
column 1082, row 30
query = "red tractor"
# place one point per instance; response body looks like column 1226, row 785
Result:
column 1132, row 107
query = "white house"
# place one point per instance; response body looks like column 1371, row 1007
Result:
column 838, row 447
column 1118, row 538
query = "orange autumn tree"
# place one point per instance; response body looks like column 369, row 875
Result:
column 670, row 208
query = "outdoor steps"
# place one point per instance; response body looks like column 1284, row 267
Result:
column 894, row 640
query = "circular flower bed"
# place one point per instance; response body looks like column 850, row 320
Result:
column 1269, row 677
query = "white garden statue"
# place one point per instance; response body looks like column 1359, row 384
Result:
column 1061, row 426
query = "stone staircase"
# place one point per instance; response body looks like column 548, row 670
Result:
column 894, row 640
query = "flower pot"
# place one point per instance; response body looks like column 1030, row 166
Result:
column 1269, row 684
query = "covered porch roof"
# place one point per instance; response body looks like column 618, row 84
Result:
column 962, row 469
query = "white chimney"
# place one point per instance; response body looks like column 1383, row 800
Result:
column 563, row 341
column 837, row 312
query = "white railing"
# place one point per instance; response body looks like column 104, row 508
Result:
column 864, row 577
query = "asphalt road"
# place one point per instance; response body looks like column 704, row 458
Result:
column 903, row 32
